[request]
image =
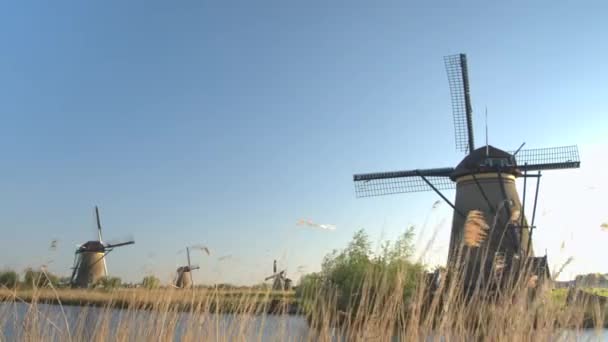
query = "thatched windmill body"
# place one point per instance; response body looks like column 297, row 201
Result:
column 183, row 278
column 485, row 184
column 90, row 258
column 280, row 282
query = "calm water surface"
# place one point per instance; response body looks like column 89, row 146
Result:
column 50, row 322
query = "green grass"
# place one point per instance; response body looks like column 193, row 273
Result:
column 599, row 291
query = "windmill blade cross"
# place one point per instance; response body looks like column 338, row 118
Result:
column 458, row 79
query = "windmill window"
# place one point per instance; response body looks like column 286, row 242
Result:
column 502, row 162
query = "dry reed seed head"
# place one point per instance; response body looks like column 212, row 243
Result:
column 475, row 229
column 604, row 226
column 562, row 267
column 499, row 262
column 532, row 282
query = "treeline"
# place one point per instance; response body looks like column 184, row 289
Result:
column 31, row 278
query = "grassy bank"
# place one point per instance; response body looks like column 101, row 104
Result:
column 358, row 296
column 379, row 313
column 224, row 301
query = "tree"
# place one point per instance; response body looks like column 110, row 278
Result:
column 150, row 282
column 9, row 279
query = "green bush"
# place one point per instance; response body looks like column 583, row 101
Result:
column 150, row 282
column 39, row 278
column 109, row 283
column 9, row 279
column 349, row 275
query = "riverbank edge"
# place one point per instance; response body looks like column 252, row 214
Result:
column 272, row 307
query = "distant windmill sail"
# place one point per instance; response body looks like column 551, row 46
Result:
column 201, row 248
column 224, row 257
column 98, row 224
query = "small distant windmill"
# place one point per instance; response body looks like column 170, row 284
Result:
column 183, row 278
column 90, row 258
column 280, row 282
column 485, row 183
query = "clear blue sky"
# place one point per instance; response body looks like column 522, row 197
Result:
column 223, row 123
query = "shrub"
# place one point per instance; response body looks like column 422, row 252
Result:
column 150, row 282
column 9, row 279
column 349, row 275
column 109, row 283
column 39, row 278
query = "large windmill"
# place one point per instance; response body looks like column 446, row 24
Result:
column 183, row 278
column 90, row 258
column 280, row 282
column 484, row 181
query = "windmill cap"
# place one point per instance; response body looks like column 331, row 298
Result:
column 487, row 159
column 92, row 246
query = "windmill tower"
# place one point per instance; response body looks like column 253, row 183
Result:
column 484, row 181
column 280, row 280
column 183, row 278
column 90, row 258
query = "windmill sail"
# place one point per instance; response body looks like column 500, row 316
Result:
column 114, row 245
column 552, row 158
column 458, row 78
column 385, row 183
column 100, row 239
column 188, row 255
column 99, row 236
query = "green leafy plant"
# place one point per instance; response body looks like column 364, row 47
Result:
column 9, row 279
column 150, row 282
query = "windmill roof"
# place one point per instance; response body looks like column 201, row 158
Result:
column 92, row 246
column 485, row 159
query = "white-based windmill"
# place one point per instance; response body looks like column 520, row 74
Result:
column 90, row 258
column 183, row 278
column 280, row 281
column 485, row 183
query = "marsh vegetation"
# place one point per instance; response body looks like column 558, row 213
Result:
column 359, row 294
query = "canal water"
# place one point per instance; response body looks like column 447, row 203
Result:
column 49, row 322
column 21, row 321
